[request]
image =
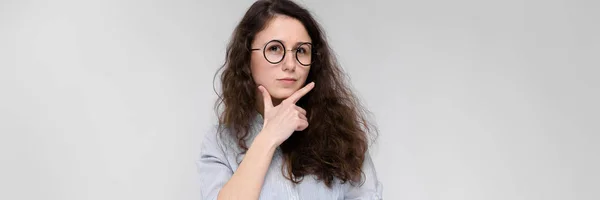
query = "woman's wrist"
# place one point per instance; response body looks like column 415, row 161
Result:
column 263, row 139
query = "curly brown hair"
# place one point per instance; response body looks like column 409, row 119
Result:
column 335, row 143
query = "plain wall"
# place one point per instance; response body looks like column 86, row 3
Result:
column 474, row 99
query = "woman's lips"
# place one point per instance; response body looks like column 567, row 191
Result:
column 287, row 80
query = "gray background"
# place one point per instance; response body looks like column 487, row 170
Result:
column 474, row 99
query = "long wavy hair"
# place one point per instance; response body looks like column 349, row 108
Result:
column 337, row 138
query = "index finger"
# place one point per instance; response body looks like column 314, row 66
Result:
column 300, row 93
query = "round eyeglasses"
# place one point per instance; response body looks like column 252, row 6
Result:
column 274, row 52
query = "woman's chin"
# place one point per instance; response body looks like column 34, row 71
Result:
column 281, row 95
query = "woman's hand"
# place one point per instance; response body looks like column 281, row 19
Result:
column 282, row 120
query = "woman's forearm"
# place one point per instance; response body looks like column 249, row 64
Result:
column 247, row 181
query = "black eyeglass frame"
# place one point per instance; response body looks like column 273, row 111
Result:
column 313, row 53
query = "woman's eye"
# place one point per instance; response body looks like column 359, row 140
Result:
column 301, row 50
column 275, row 48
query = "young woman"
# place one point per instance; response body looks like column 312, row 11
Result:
column 289, row 127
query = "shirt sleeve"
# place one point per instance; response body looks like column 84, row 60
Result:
column 371, row 189
column 213, row 166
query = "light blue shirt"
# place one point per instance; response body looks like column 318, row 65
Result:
column 219, row 159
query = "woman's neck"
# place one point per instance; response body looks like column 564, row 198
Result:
column 260, row 103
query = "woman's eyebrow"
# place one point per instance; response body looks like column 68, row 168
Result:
column 295, row 45
column 299, row 43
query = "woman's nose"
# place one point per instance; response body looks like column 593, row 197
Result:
column 289, row 62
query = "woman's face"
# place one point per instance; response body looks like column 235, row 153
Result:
column 276, row 77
